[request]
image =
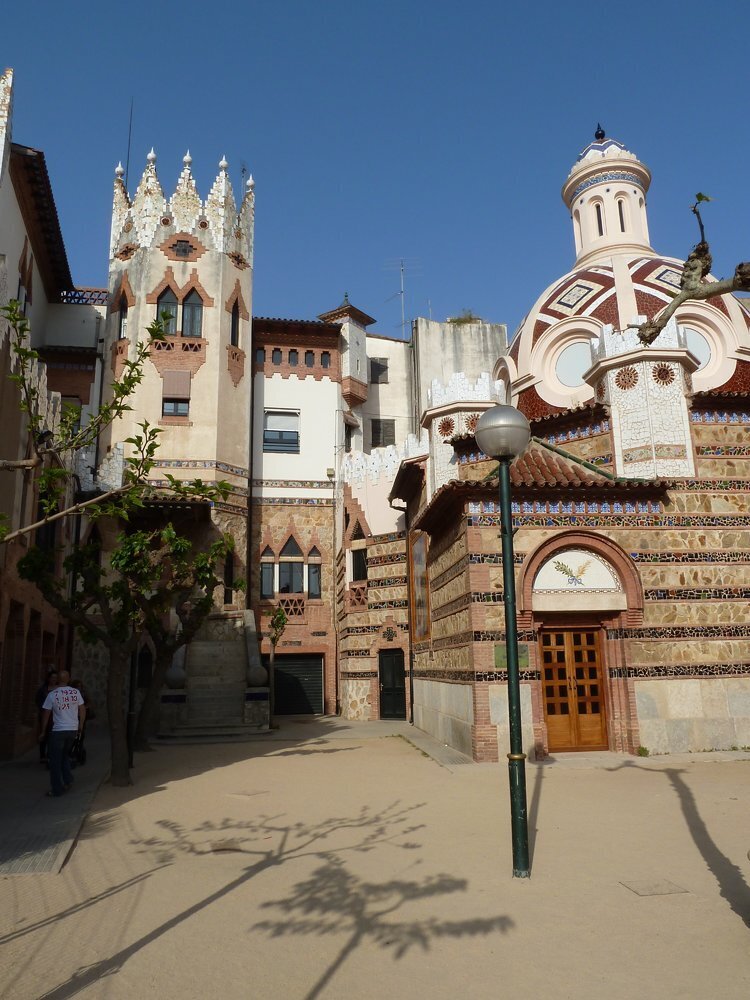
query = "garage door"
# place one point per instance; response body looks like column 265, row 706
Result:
column 299, row 685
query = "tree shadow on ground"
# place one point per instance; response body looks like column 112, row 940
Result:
column 732, row 885
column 333, row 901
column 272, row 841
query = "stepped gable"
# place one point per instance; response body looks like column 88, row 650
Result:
column 151, row 220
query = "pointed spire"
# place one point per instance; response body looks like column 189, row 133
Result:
column 149, row 203
column 120, row 209
column 185, row 204
column 221, row 210
column 250, row 183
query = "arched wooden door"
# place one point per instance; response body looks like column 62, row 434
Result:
column 573, row 688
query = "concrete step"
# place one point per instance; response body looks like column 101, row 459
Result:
column 235, row 733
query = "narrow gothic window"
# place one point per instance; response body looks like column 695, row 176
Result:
column 290, row 568
column 599, row 219
column 166, row 310
column 192, row 315
column 234, row 331
column 122, row 329
column 621, row 210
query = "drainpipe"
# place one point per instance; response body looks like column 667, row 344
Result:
column 405, row 511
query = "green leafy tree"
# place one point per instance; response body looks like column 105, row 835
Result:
column 53, row 440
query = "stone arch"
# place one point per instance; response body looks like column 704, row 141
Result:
column 602, row 546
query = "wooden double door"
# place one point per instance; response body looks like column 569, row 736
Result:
column 573, row 689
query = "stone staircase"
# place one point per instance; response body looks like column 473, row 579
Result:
column 217, row 702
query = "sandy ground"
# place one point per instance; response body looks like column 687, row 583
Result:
column 346, row 868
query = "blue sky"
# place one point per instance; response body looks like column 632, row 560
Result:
column 433, row 131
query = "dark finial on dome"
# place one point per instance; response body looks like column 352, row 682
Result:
column 600, row 133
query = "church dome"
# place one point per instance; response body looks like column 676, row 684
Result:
column 618, row 280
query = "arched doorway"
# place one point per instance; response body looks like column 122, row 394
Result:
column 577, row 590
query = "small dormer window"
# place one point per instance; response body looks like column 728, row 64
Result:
column 182, row 248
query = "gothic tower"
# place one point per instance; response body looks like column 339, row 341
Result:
column 191, row 261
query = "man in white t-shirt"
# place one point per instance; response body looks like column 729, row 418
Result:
column 65, row 705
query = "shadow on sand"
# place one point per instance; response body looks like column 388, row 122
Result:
column 331, row 900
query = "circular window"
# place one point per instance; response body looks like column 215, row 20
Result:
column 572, row 362
column 698, row 345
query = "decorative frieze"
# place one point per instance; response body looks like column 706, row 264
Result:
column 683, row 670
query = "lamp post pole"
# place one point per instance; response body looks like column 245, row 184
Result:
column 516, row 757
column 503, row 433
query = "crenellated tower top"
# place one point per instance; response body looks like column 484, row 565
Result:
column 150, row 219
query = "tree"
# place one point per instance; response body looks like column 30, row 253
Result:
column 150, row 574
column 693, row 285
column 104, row 604
column 276, row 627
column 54, row 441
column 169, row 578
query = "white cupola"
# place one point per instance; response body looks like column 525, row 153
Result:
column 606, row 195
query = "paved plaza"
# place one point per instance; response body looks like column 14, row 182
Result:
column 332, row 860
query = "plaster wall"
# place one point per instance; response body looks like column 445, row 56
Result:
column 391, row 400
column 317, row 402
column 443, row 349
column 75, row 325
column 219, row 418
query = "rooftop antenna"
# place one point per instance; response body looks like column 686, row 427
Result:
column 402, row 263
column 130, row 133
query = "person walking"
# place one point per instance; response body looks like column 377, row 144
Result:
column 47, row 685
column 65, row 705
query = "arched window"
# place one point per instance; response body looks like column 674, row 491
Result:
column 122, row 328
column 166, row 310
column 291, row 568
column 621, row 213
column 192, row 315
column 293, row 359
column 267, row 561
column 314, row 572
column 234, row 330
column 599, row 218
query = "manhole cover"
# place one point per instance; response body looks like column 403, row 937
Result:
column 653, row 888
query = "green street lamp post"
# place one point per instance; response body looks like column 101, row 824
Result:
column 503, row 433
